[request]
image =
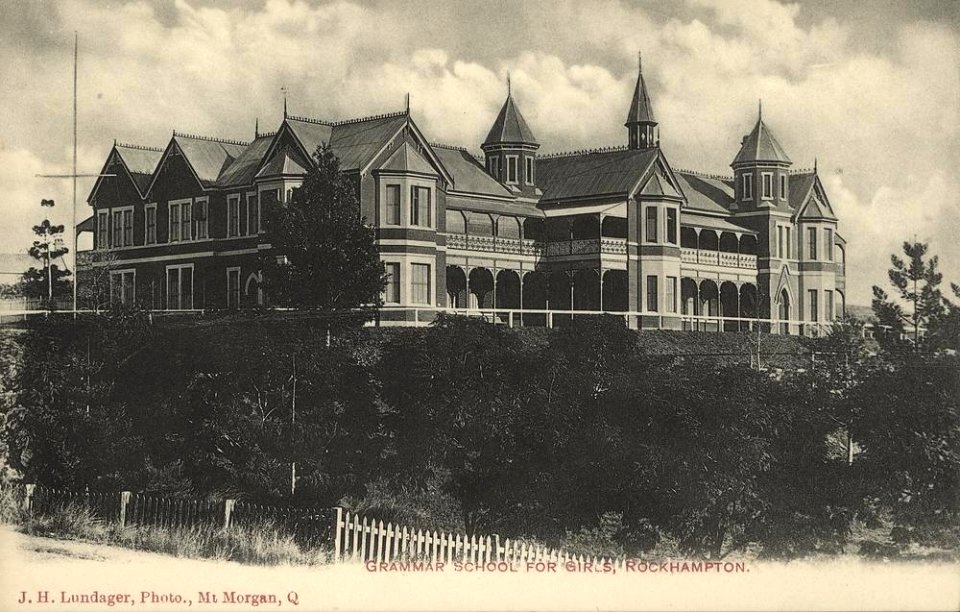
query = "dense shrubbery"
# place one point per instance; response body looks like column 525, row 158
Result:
column 575, row 436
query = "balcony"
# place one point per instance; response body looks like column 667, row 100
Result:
column 718, row 258
column 514, row 246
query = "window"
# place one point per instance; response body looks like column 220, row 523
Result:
column 393, row 205
column 652, row 293
column 391, row 292
column 253, row 214
column 420, row 283
column 783, row 186
column 200, row 215
column 122, row 287
column 812, row 243
column 528, row 175
column 651, row 232
column 233, row 287
column 828, row 243
column 788, row 233
column 493, row 166
column 420, row 206
column 767, row 185
column 781, row 251
column 186, row 221
column 233, row 216
column 511, row 168
column 828, row 304
column 812, row 303
column 671, row 294
column 180, row 287
column 672, row 225
column 128, row 227
column 174, row 222
column 117, row 228
column 747, row 186
column 103, row 229
column 150, row 224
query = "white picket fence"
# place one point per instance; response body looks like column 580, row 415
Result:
column 359, row 539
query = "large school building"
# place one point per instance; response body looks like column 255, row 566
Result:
column 532, row 236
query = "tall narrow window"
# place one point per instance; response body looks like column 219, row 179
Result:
column 123, row 287
column 812, row 243
column 767, row 185
column 651, row 232
column 781, row 251
column 150, row 224
column 671, row 294
column 511, row 168
column 652, row 294
column 180, row 287
column 528, row 174
column 672, row 225
column 253, row 211
column 812, row 305
column 174, row 232
column 233, row 216
column 233, row 287
column 117, row 228
column 828, row 305
column 392, row 213
column 788, row 233
column 747, row 186
column 391, row 292
column 200, row 216
column 783, row 186
column 128, row 228
column 186, row 221
column 420, row 206
column 828, row 243
column 420, row 283
column 103, row 229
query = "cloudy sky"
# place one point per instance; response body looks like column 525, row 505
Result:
column 869, row 88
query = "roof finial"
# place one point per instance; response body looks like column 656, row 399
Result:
column 408, row 102
column 760, row 109
column 508, row 83
column 283, row 90
column 256, row 128
column 814, row 164
column 640, row 60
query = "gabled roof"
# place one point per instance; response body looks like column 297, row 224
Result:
column 706, row 193
column 140, row 162
column 282, row 164
column 355, row 142
column 208, row 157
column 408, row 159
column 594, row 173
column 801, row 186
column 244, row 168
column 659, row 184
column 641, row 109
column 760, row 145
column 510, row 126
column 468, row 175
column 809, row 198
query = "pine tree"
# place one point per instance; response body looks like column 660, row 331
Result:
column 325, row 255
column 917, row 282
column 49, row 280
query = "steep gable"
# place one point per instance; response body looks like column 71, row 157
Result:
column 594, row 173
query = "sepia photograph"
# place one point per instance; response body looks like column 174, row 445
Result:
column 480, row 305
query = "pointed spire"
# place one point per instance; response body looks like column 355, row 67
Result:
column 641, row 109
column 407, row 102
column 814, row 164
column 510, row 126
column 760, row 144
column 760, row 109
column 508, row 83
column 283, row 89
column 256, row 128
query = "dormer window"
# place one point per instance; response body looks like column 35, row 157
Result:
column 767, row 178
column 512, row 169
column 783, row 186
column 528, row 175
column 747, row 186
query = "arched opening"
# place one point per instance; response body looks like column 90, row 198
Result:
column 616, row 292
column 748, row 304
column 841, row 304
column 729, row 305
column 455, row 222
column 729, row 242
column 748, row 244
column 508, row 290
column 533, row 229
column 586, row 290
column 481, row 288
column 688, row 238
column 586, row 227
column 559, row 287
column 842, row 258
column 708, row 240
column 508, row 227
column 709, row 298
column 534, row 298
column 456, row 288
column 784, row 312
column 253, row 291
column 613, row 227
column 689, row 301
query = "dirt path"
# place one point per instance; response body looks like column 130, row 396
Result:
column 47, row 574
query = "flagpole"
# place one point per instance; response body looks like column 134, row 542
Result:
column 76, row 272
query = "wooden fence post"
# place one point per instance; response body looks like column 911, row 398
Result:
column 337, row 534
column 28, row 497
column 124, row 500
column 496, row 548
column 227, row 511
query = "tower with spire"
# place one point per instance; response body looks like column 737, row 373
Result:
column 642, row 129
column 510, row 149
column 761, row 169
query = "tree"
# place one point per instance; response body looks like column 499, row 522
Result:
column 917, row 283
column 49, row 280
column 325, row 255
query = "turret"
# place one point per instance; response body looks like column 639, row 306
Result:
column 761, row 169
column 510, row 148
column 642, row 130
